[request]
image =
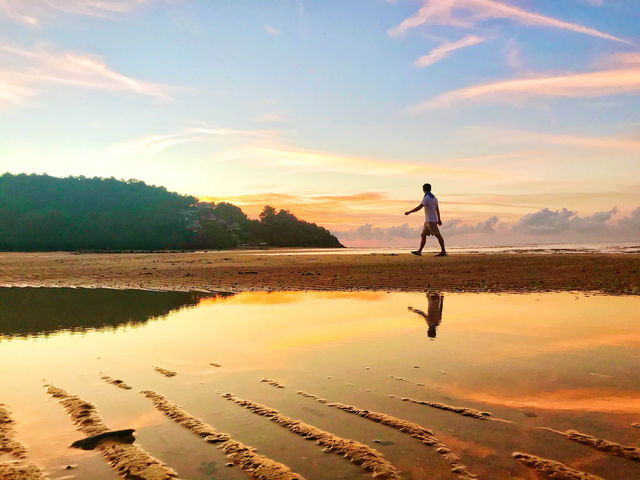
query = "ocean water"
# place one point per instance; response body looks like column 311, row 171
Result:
column 559, row 248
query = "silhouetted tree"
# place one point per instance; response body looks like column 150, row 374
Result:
column 283, row 229
column 40, row 212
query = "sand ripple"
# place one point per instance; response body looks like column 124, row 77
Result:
column 273, row 383
column 14, row 470
column 165, row 372
column 552, row 469
column 18, row 471
column 416, row 431
column 630, row 453
column 7, row 442
column 115, row 382
column 467, row 412
column 257, row 466
column 366, row 457
column 130, row 461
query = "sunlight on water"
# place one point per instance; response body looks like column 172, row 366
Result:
column 562, row 361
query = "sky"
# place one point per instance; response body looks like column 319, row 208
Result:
column 524, row 115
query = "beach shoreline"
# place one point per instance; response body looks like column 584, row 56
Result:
column 238, row 271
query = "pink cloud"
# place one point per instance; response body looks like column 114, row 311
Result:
column 520, row 137
column 590, row 84
column 467, row 13
column 12, row 93
column 26, row 72
column 30, row 12
column 271, row 30
column 444, row 50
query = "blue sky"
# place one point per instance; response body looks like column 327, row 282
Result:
column 339, row 111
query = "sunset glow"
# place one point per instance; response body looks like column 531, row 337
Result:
column 522, row 115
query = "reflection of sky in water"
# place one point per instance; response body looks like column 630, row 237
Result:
column 558, row 360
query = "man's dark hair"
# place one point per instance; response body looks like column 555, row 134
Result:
column 426, row 187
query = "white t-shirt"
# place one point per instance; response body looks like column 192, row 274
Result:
column 430, row 205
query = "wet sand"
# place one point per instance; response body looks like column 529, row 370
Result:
column 256, row 466
column 130, row 461
column 349, row 373
column 14, row 469
column 237, row 271
column 367, row 458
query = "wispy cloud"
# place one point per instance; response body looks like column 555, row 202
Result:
column 153, row 144
column 26, row 72
column 513, row 54
column 148, row 145
column 444, row 50
column 327, row 210
column 594, row 3
column 30, row 12
column 271, row 30
column 576, row 85
column 271, row 117
column 12, row 93
column 278, row 154
column 467, row 13
column 520, row 137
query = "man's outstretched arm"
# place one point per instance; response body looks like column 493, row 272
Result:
column 414, row 210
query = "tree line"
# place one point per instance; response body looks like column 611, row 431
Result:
column 44, row 213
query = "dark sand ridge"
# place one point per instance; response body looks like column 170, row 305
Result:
column 416, row 431
column 623, row 451
column 637, row 425
column 628, row 452
column 464, row 411
column 7, row 443
column 115, row 382
column 129, row 460
column 256, row 466
column 19, row 471
column 222, row 271
column 552, row 469
column 366, row 457
column 165, row 372
column 14, row 470
column 273, row 383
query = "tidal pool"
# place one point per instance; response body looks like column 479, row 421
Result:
column 539, row 364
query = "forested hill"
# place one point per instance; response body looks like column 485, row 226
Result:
column 40, row 212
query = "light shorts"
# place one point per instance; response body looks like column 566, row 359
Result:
column 430, row 228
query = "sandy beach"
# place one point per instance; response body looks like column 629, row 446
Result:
column 236, row 271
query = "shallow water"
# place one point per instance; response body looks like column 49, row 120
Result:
column 562, row 361
column 532, row 248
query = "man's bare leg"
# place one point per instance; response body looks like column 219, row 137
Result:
column 423, row 240
column 443, row 251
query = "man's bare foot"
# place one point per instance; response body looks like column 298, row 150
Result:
column 419, row 254
column 441, row 254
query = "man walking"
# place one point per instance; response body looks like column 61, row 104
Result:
column 431, row 220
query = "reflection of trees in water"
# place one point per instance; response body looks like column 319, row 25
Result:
column 29, row 311
column 433, row 317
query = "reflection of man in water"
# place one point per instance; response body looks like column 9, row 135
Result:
column 434, row 315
